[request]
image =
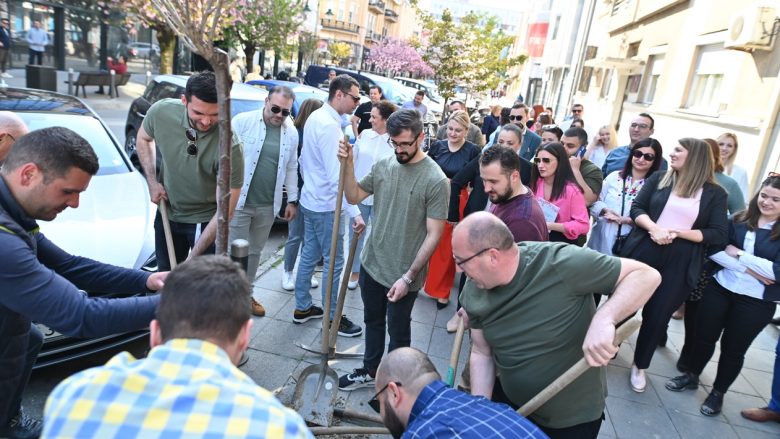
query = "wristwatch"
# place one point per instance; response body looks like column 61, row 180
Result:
column 740, row 253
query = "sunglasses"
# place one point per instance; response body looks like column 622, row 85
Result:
column 374, row 402
column 354, row 98
column 515, row 117
column 192, row 138
column 643, row 126
column 648, row 157
column 545, row 160
column 770, row 176
column 276, row 110
column 576, row 111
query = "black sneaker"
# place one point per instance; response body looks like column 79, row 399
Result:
column 355, row 380
column 349, row 329
column 22, row 427
column 314, row 312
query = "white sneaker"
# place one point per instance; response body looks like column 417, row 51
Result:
column 314, row 282
column 352, row 284
column 288, row 281
column 6, row 75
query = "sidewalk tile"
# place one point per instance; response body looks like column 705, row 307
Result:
column 691, row 426
column 279, row 337
column 688, row 401
column 748, row 433
column 734, row 403
column 618, row 387
column 635, row 420
column 269, row 371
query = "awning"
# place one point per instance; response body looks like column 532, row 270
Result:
column 630, row 65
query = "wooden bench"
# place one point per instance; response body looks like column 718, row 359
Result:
column 99, row 79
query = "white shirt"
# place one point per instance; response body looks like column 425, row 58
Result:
column 369, row 149
column 733, row 276
column 320, row 164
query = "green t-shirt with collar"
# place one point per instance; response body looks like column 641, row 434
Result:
column 536, row 324
column 190, row 181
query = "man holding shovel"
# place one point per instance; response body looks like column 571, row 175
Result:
column 320, row 170
column 410, row 207
column 531, row 312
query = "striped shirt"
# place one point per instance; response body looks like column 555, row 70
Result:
column 185, row 388
column 444, row 412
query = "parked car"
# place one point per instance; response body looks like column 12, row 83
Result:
column 242, row 98
column 430, row 89
column 145, row 50
column 115, row 220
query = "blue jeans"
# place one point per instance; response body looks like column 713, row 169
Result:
column 294, row 238
column 774, row 403
column 365, row 212
column 318, row 227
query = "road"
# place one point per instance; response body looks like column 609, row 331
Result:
column 43, row 381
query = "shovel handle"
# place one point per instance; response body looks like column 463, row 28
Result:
column 453, row 369
column 163, row 206
column 334, row 330
column 574, row 372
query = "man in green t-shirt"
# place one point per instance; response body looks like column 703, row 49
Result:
column 531, row 313
column 411, row 194
column 187, row 136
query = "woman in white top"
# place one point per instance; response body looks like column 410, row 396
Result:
column 370, row 148
column 612, row 210
column 602, row 144
column 740, row 299
column 729, row 145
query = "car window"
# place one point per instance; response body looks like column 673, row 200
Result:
column 238, row 106
column 109, row 157
column 149, row 91
column 166, row 90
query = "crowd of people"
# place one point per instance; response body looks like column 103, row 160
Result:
column 538, row 219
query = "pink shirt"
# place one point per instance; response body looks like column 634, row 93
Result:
column 680, row 213
column 572, row 213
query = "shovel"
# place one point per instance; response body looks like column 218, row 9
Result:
column 309, row 399
column 455, row 353
column 163, row 206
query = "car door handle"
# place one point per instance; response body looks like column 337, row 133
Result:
column 139, row 114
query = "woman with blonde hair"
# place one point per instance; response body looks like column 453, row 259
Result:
column 452, row 155
column 602, row 144
column 729, row 145
column 679, row 215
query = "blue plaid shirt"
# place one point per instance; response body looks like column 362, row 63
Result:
column 444, row 412
column 186, row 388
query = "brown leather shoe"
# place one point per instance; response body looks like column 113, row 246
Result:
column 257, row 309
column 762, row 414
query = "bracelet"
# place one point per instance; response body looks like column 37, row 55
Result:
column 406, row 279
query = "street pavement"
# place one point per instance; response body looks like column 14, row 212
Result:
column 275, row 361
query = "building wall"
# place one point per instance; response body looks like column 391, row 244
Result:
column 742, row 95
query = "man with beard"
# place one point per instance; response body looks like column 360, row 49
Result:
column 410, row 206
column 185, row 132
column 513, row 202
column 415, row 403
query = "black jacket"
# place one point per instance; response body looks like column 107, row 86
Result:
column 764, row 248
column 712, row 221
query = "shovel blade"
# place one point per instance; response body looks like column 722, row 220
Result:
column 315, row 400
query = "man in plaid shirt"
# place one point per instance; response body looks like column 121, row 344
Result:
column 189, row 385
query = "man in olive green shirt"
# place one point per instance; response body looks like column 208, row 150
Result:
column 531, row 313
column 187, row 136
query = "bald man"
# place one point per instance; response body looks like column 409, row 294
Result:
column 415, row 403
column 531, row 313
column 12, row 127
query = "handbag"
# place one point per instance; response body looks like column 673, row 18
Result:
column 620, row 240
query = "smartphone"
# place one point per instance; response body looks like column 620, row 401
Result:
column 581, row 152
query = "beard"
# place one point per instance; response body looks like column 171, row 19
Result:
column 405, row 157
column 501, row 198
column 392, row 422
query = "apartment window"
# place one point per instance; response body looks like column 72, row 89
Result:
column 655, row 64
column 556, row 26
column 587, row 72
column 704, row 88
column 352, row 10
column 606, row 84
column 342, row 7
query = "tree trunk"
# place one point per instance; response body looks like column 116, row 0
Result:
column 249, row 51
column 167, row 40
column 220, row 64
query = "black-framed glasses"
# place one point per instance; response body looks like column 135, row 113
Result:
column 647, row 156
column 275, row 109
column 374, row 401
column 515, row 117
column 576, row 110
column 354, row 98
column 403, row 145
column 643, row 126
column 192, row 139
column 545, row 160
column 463, row 262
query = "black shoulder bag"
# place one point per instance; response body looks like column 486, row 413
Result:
column 620, row 240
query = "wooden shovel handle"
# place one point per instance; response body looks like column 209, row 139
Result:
column 163, row 206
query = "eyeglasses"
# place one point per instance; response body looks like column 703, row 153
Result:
column 463, row 262
column 276, row 110
column 192, row 138
column 576, row 111
column 403, row 145
column 354, row 98
column 549, row 127
column 638, row 154
column 643, row 126
column 374, row 402
column 515, row 117
column 545, row 160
